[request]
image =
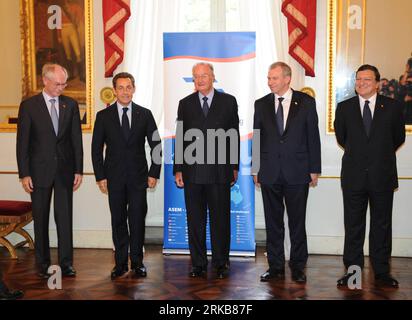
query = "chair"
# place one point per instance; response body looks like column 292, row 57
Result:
column 14, row 215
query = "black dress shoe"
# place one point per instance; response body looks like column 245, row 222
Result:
column 298, row 276
column 198, row 272
column 273, row 274
column 11, row 294
column 222, row 272
column 386, row 280
column 343, row 281
column 118, row 272
column 140, row 271
column 43, row 273
column 68, row 271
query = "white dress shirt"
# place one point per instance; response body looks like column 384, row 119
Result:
column 47, row 99
column 372, row 103
column 209, row 98
column 128, row 112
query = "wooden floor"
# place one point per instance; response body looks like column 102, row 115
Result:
column 167, row 279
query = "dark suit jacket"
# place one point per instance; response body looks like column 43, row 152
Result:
column 125, row 161
column 297, row 152
column 40, row 154
column 370, row 162
column 222, row 115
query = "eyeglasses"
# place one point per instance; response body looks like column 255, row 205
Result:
column 58, row 84
column 201, row 76
column 61, row 85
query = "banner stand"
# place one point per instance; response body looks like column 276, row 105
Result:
column 233, row 57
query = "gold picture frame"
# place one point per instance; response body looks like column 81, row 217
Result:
column 354, row 38
column 70, row 45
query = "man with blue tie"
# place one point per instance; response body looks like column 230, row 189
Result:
column 50, row 159
column 290, row 162
column 123, row 173
column 370, row 128
column 207, row 182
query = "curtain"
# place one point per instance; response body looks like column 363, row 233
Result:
column 144, row 50
column 144, row 45
column 280, row 28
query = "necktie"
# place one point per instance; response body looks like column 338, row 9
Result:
column 205, row 106
column 125, row 124
column 279, row 116
column 367, row 117
column 54, row 117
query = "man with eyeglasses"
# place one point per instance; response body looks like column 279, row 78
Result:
column 370, row 128
column 50, row 160
column 207, row 182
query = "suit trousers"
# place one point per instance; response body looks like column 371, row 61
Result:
column 380, row 234
column 128, row 207
column 63, row 216
column 3, row 287
column 216, row 198
column 275, row 196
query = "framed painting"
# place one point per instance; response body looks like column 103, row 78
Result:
column 369, row 32
column 57, row 31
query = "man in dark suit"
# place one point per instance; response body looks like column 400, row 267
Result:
column 290, row 162
column 370, row 128
column 123, row 173
column 50, row 158
column 6, row 293
column 205, row 179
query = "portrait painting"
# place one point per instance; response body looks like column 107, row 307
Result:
column 369, row 32
column 57, row 31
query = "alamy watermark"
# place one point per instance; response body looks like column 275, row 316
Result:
column 355, row 280
column 215, row 146
column 55, row 20
column 55, row 280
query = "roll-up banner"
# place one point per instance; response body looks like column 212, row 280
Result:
column 233, row 57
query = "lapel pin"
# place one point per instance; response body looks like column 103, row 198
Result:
column 63, row 105
column 382, row 106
